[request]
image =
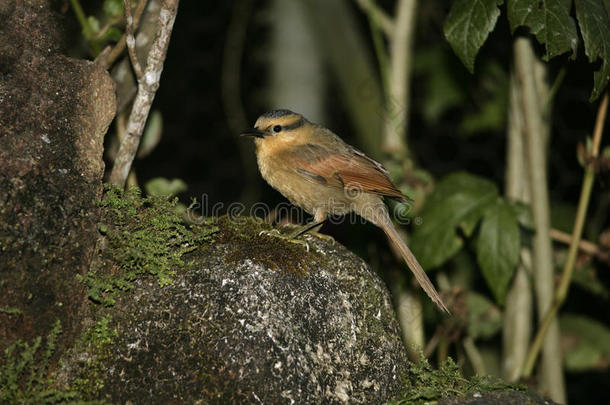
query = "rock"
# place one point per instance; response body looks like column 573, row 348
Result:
column 54, row 112
column 253, row 319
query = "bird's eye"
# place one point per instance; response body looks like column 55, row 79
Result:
column 277, row 128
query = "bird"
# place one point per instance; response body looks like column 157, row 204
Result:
column 316, row 170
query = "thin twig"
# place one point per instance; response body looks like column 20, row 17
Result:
column 147, row 87
column 584, row 245
column 378, row 15
column 474, row 355
column 108, row 60
column 397, row 98
column 581, row 213
column 131, row 41
column 381, row 53
column 86, row 27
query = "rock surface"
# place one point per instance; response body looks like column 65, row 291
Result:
column 54, row 112
column 256, row 319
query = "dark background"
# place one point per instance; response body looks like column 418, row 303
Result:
column 199, row 146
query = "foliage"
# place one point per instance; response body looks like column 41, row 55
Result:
column 594, row 23
column 470, row 22
column 100, row 30
column 548, row 20
column 498, row 247
column 588, row 341
column 457, row 206
column 97, row 341
column 160, row 186
column 24, row 373
column 453, row 212
column 484, row 318
column 145, row 237
column 468, row 25
column 458, row 203
column 424, row 384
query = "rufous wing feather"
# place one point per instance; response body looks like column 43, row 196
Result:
column 351, row 170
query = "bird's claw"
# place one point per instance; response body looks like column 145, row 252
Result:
column 277, row 234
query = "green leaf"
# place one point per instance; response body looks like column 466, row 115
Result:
column 160, row 186
column 498, row 248
column 524, row 215
column 468, row 25
column 113, row 8
column 594, row 24
column 94, row 24
column 588, row 342
column 112, row 34
column 484, row 318
column 587, row 279
column 459, row 201
column 549, row 20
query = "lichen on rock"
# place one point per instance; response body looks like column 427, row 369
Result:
column 238, row 329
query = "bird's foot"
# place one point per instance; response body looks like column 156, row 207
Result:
column 323, row 236
column 289, row 238
column 312, row 228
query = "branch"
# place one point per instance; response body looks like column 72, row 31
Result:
column 543, row 269
column 107, row 60
column 568, row 269
column 585, row 246
column 378, row 16
column 147, row 87
column 397, row 96
column 84, row 23
column 518, row 314
column 131, row 41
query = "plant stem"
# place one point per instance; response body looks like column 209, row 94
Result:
column 518, row 314
column 109, row 59
column 147, row 87
column 535, row 129
column 568, row 269
column 378, row 15
column 476, row 360
column 585, row 246
column 380, row 52
column 84, row 23
column 81, row 17
column 397, row 98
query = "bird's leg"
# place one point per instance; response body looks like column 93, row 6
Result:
column 313, row 228
column 289, row 238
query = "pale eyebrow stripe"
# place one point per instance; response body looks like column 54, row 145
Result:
column 294, row 125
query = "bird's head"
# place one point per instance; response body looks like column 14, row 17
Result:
column 277, row 126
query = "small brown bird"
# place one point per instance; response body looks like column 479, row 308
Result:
column 314, row 169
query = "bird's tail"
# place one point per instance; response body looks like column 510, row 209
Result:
column 413, row 264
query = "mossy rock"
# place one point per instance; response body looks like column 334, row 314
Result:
column 53, row 116
column 250, row 317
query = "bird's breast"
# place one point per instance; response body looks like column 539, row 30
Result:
column 301, row 191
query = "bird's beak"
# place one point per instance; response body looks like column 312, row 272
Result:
column 253, row 132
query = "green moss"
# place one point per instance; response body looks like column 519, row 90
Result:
column 244, row 238
column 145, row 237
column 97, row 341
column 424, row 384
column 24, row 373
column 11, row 311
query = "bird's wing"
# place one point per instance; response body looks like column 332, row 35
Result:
column 352, row 170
